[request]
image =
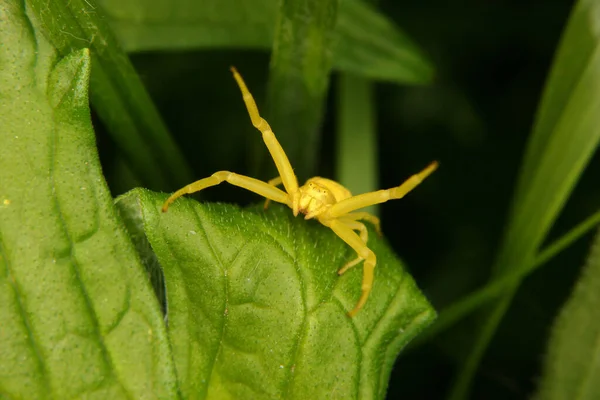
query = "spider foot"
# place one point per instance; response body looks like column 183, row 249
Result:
column 349, row 265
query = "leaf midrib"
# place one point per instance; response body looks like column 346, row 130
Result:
column 302, row 329
column 75, row 263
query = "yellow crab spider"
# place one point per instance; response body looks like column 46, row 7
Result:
column 329, row 202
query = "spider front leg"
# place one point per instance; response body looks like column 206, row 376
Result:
column 251, row 184
column 286, row 172
column 380, row 196
column 346, row 233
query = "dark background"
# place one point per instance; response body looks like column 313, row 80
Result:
column 492, row 59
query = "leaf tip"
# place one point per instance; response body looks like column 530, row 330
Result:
column 69, row 80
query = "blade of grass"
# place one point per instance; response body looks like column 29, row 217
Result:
column 357, row 136
column 117, row 93
column 473, row 301
column 564, row 138
column 368, row 43
column 572, row 365
column 299, row 77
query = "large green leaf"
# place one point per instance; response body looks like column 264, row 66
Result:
column 257, row 310
column 366, row 42
column 117, row 93
column 572, row 365
column 564, row 138
column 77, row 315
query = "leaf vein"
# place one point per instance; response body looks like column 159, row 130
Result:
column 21, row 308
column 75, row 263
column 225, row 288
column 303, row 327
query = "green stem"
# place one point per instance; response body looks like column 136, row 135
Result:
column 299, row 77
column 461, row 308
column 357, row 136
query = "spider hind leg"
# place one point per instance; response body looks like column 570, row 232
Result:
column 275, row 182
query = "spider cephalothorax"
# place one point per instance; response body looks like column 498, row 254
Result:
column 329, row 202
column 318, row 194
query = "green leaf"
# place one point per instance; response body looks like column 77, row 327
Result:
column 564, row 138
column 367, row 43
column 77, row 316
column 299, row 77
column 117, row 93
column 257, row 310
column 370, row 45
column 572, row 365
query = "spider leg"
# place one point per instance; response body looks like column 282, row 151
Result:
column 346, row 233
column 356, row 226
column 251, row 184
column 365, row 216
column 286, row 172
column 379, row 196
column 364, row 236
column 274, row 182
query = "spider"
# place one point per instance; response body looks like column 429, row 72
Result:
column 329, row 202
